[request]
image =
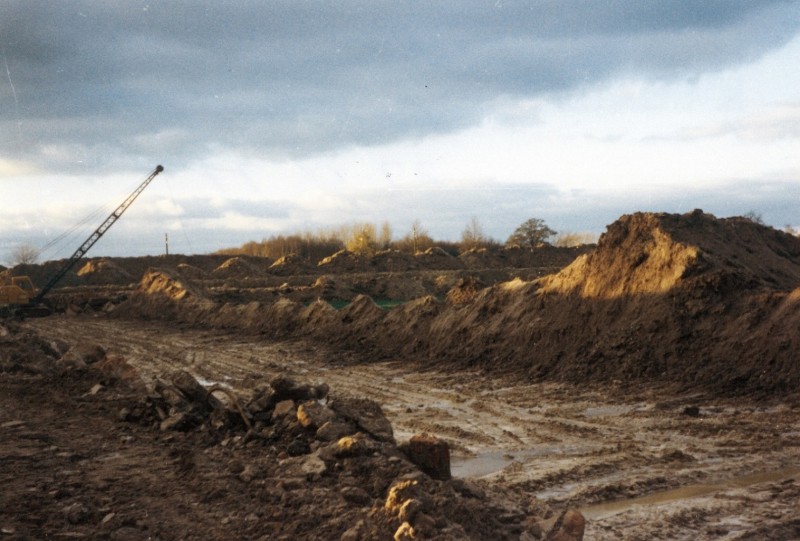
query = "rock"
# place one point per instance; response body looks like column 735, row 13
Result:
column 76, row 513
column 71, row 363
column 356, row 495
column 298, row 447
column 333, row 430
column 304, row 466
column 287, row 389
column 409, row 509
column 263, row 400
column 283, row 409
column 569, row 526
column 190, row 387
column 691, row 411
column 403, row 491
column 430, row 454
column 58, row 345
column 312, row 414
column 425, row 526
column 405, row 533
column 353, row 533
column 249, row 472
column 179, row 421
column 88, row 353
column 366, row 414
column 468, row 489
column 356, row 445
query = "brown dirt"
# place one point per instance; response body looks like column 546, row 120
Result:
column 658, row 294
column 652, row 382
column 707, row 467
column 121, row 444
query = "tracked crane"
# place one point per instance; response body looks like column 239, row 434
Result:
column 34, row 305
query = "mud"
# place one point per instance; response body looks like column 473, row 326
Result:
column 651, row 383
column 637, row 464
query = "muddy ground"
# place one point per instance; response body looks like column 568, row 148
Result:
column 640, row 463
column 650, row 383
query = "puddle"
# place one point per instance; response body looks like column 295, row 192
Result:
column 607, row 410
column 208, row 382
column 601, row 510
column 490, row 463
column 613, row 410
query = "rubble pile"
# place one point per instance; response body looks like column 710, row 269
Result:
column 309, row 443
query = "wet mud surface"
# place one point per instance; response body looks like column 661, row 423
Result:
column 639, row 462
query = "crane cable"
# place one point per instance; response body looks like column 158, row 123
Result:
column 82, row 225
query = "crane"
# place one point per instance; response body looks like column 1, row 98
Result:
column 34, row 306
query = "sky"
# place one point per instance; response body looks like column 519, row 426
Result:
column 286, row 116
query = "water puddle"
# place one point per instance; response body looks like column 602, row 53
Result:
column 490, row 463
column 209, row 382
column 601, row 510
column 614, row 410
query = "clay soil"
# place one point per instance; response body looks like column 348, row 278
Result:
column 651, row 384
column 638, row 465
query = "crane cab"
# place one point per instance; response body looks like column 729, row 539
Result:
column 18, row 293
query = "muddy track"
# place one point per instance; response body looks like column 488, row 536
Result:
column 598, row 449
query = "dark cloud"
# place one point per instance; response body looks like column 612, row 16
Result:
column 295, row 77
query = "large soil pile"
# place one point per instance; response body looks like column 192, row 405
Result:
column 687, row 299
column 667, row 298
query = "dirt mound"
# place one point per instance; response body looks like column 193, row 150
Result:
column 330, row 288
column 160, row 282
column 161, row 295
column 686, row 299
column 104, row 271
column 654, row 253
column 22, row 351
column 664, row 298
column 236, row 267
column 191, row 272
column 289, row 265
column 436, row 258
column 393, row 261
column 390, row 261
column 341, row 261
column 546, row 257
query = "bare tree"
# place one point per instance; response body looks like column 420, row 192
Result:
column 385, row 236
column 755, row 217
column 473, row 235
column 417, row 232
column 569, row 239
column 415, row 241
column 24, row 254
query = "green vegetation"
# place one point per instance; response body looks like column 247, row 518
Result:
column 385, row 304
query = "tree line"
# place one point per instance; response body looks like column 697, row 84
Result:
column 366, row 238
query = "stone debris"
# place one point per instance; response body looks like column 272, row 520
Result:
column 320, row 449
column 431, row 454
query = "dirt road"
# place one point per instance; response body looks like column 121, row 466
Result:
column 641, row 464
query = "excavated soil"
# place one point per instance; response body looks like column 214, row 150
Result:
column 651, row 383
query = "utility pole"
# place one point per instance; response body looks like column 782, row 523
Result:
column 166, row 243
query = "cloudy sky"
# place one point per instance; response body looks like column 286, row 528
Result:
column 282, row 116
